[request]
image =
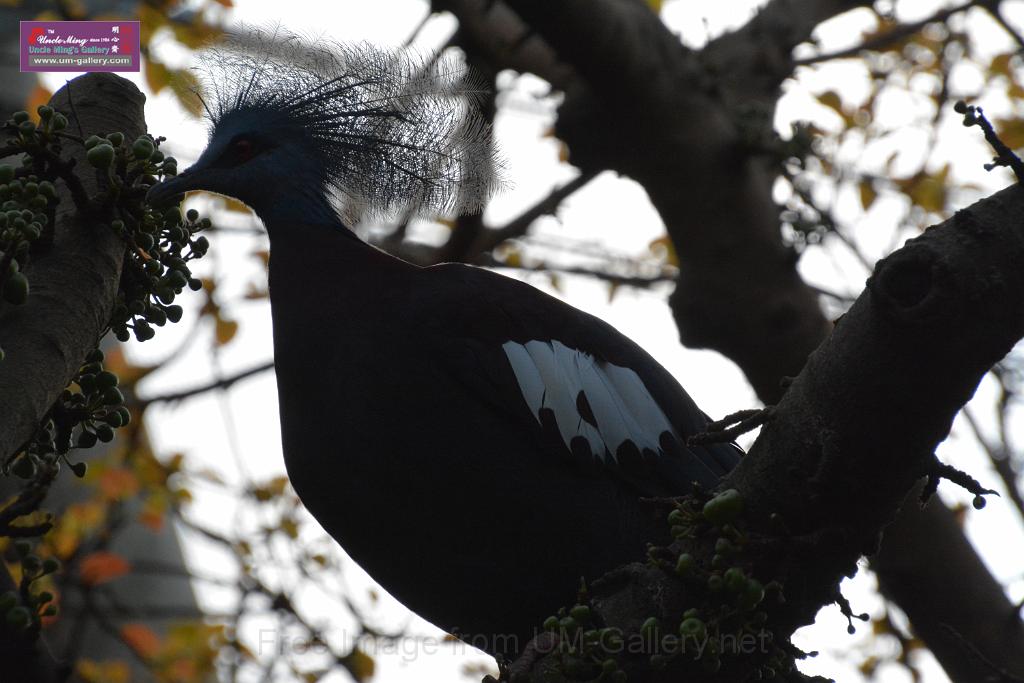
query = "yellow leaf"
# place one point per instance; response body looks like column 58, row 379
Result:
column 359, row 664
column 142, row 639
column 665, row 250
column 196, row 33
column 39, row 95
column 867, row 194
column 563, row 153
column 76, row 523
column 1011, row 132
column 158, row 76
column 225, row 330
column 512, row 257
column 1000, row 65
column 655, row 5
column 290, row 528
column 118, row 484
column 150, row 20
column 927, row 190
column 102, row 672
column 102, row 566
column 235, row 205
column 153, row 511
column 184, row 85
column 831, row 99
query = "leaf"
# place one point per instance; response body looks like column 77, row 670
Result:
column 102, row 566
column 655, row 5
column 929, row 191
column 359, row 664
column 663, row 249
column 118, row 484
column 158, row 76
column 867, row 193
column 511, row 257
column 290, row 528
column 39, row 95
column 154, row 511
column 831, row 99
column 77, row 521
column 184, row 86
column 235, row 205
column 1000, row 65
column 225, row 330
column 1011, row 132
column 197, row 33
column 102, row 672
column 151, row 20
column 142, row 639
column 563, row 153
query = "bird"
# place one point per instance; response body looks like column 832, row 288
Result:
column 476, row 445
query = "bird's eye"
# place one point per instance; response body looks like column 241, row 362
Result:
column 243, row 149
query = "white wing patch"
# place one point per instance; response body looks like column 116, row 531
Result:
column 605, row 404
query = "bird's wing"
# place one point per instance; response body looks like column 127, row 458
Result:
column 582, row 387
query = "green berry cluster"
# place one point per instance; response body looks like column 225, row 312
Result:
column 87, row 411
column 98, row 403
column 28, row 198
column 161, row 241
column 733, row 604
column 156, row 270
column 584, row 647
column 22, row 611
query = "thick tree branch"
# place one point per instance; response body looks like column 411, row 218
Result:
column 73, row 284
column 843, row 449
column 675, row 130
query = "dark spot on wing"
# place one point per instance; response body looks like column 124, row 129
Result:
column 549, row 427
column 584, row 409
column 583, row 455
column 628, row 456
column 671, row 446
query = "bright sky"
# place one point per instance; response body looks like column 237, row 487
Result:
column 244, row 420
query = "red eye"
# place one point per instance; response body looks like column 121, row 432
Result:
column 243, row 149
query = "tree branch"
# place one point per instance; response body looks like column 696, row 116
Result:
column 72, row 285
column 223, row 383
column 842, row 451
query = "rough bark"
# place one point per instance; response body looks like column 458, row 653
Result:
column 859, row 425
column 72, row 285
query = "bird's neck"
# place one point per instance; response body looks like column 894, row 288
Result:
column 324, row 272
column 291, row 203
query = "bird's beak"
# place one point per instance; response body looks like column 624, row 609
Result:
column 166, row 192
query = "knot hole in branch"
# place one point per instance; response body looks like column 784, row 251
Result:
column 911, row 285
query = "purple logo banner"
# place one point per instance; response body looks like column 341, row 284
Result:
column 79, row 46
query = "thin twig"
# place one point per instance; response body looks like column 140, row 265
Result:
column 222, row 383
column 520, row 224
column 896, row 33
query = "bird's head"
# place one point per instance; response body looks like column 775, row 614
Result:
column 270, row 166
column 302, row 131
